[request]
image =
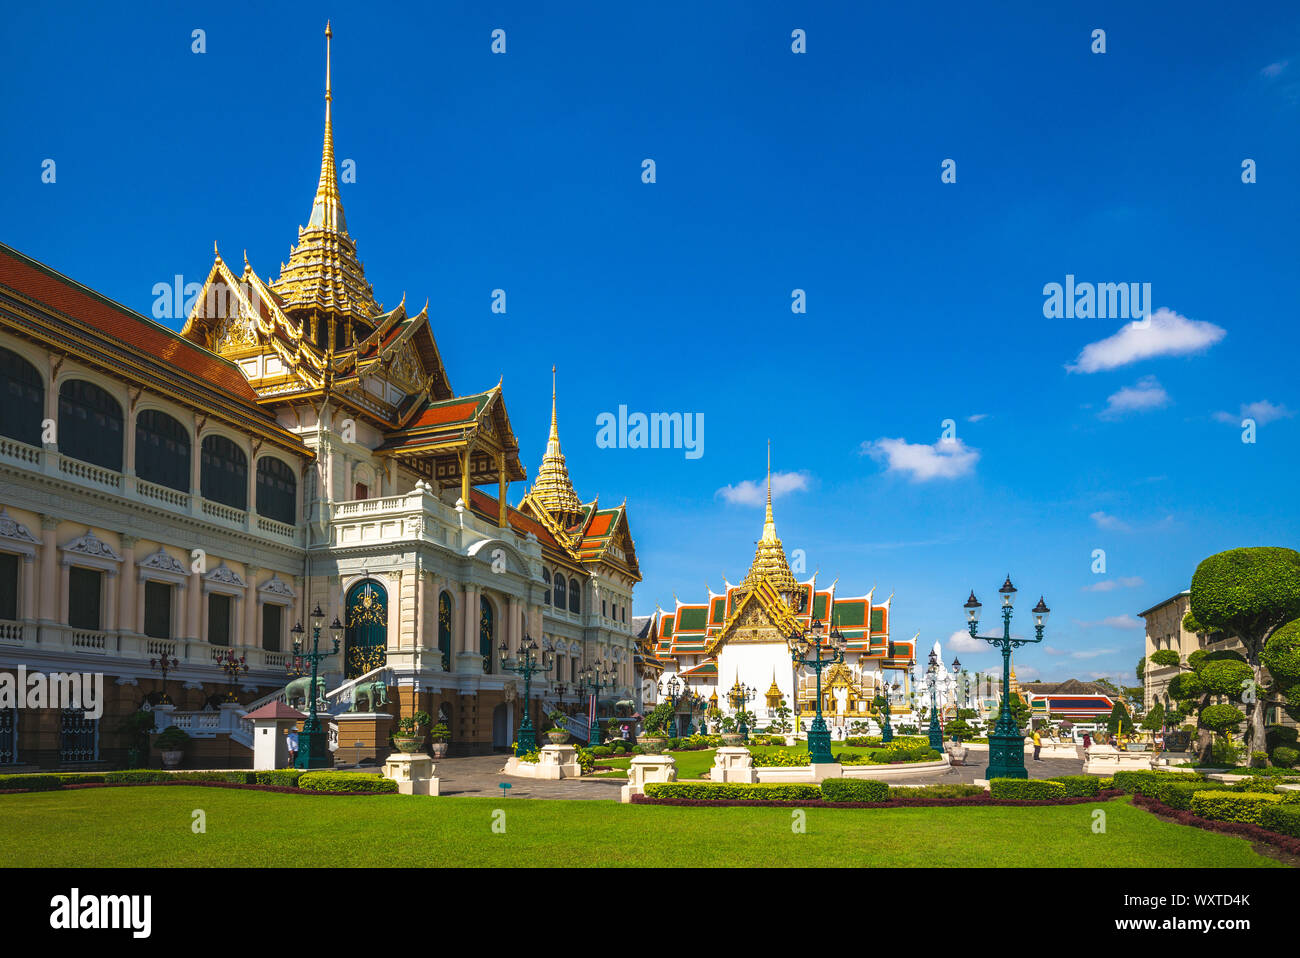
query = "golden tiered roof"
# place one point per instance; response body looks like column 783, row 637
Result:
column 769, row 558
column 323, row 271
column 552, row 489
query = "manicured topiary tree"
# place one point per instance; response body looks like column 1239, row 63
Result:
column 1252, row 594
column 1155, row 718
column 1119, row 717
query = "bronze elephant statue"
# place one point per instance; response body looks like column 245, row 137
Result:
column 375, row 694
column 296, row 691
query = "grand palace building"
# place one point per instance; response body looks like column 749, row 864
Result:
column 184, row 499
column 739, row 640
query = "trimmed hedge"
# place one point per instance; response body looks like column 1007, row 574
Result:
column 1147, row 783
column 1285, row 756
column 280, row 776
column 1179, row 794
column 326, row 781
column 1231, row 806
column 722, row 791
column 1032, row 789
column 1281, row 818
column 903, row 793
column 1079, row 786
column 36, row 783
column 854, row 790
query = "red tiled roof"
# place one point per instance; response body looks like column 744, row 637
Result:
column 442, row 414
column 66, row 296
column 487, row 506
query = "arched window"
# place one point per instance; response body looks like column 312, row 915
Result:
column 277, row 489
column 162, row 450
column 575, row 596
column 485, row 632
column 444, row 630
column 557, row 591
column 22, row 399
column 546, row 577
column 90, row 424
column 365, row 642
column 225, row 472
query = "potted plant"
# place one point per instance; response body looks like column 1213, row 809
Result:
column 409, row 733
column 729, row 734
column 557, row 733
column 171, row 743
column 654, row 729
column 439, row 736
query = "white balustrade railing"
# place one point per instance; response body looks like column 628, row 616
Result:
column 13, row 449
column 229, row 513
column 172, row 497
column 90, row 472
column 11, row 632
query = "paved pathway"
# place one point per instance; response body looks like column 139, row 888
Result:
column 481, row 775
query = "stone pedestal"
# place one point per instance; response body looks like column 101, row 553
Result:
column 733, row 764
column 956, row 753
column 363, row 737
column 1107, row 760
column 413, row 773
column 645, row 769
column 558, row 761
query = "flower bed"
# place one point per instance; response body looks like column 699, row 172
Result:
column 853, row 793
column 1277, row 814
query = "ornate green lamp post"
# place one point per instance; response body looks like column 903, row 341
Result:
column 886, row 730
column 234, row 666
column 932, row 682
column 1006, row 743
column 596, row 677
column 313, row 750
column 526, row 664
column 807, row 649
column 672, row 689
column 740, row 696
column 164, row 665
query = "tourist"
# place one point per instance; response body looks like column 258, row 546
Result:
column 1087, row 740
column 1038, row 745
column 291, row 740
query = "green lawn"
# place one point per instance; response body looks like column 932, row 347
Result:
column 144, row 826
column 694, row 764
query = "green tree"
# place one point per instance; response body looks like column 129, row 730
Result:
column 1155, row 719
column 1020, row 713
column 1254, row 594
column 1119, row 715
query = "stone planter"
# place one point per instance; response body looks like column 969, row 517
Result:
column 557, row 737
column 171, row 758
column 406, row 744
column 732, row 739
column 438, row 749
column 653, row 744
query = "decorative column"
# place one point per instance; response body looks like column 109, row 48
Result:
column 49, row 608
column 421, row 607
column 29, row 587
column 502, row 508
column 194, row 603
column 512, row 636
column 464, row 476
column 126, row 603
column 111, row 586
column 250, row 638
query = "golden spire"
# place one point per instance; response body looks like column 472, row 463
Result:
column 323, row 272
column 769, row 559
column 553, row 489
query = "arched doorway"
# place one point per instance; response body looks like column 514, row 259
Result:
column 365, row 642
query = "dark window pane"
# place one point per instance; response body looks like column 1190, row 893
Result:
column 9, row 586
column 574, row 596
column 219, row 619
column 158, row 610
column 22, row 399
column 224, row 473
column 83, row 598
column 162, row 450
column 276, row 489
column 272, row 619
column 90, row 425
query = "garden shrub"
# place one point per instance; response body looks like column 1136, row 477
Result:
column 782, row 758
column 1231, row 806
column 1283, row 818
column 237, row 777
column 1284, row 756
column 137, row 775
column 1179, row 794
column 863, row 741
column 602, row 751
column 81, row 778
column 1262, row 783
column 326, row 781
column 905, row 750
column 854, row 790
column 934, row 791
column 730, row 791
column 37, row 783
column 1146, row 783
column 1079, row 786
column 279, row 776
column 1033, row 789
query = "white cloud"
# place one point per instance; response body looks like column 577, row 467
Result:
column 1078, row 653
column 1262, row 412
column 1110, row 585
column 976, row 417
column 946, row 459
column 751, row 492
column 961, row 641
column 1146, row 394
column 1164, row 333
column 1274, row 69
column 1112, row 622
column 1108, row 522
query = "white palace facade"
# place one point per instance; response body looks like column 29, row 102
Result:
column 188, row 497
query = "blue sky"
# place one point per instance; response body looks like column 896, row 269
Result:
column 774, row 172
